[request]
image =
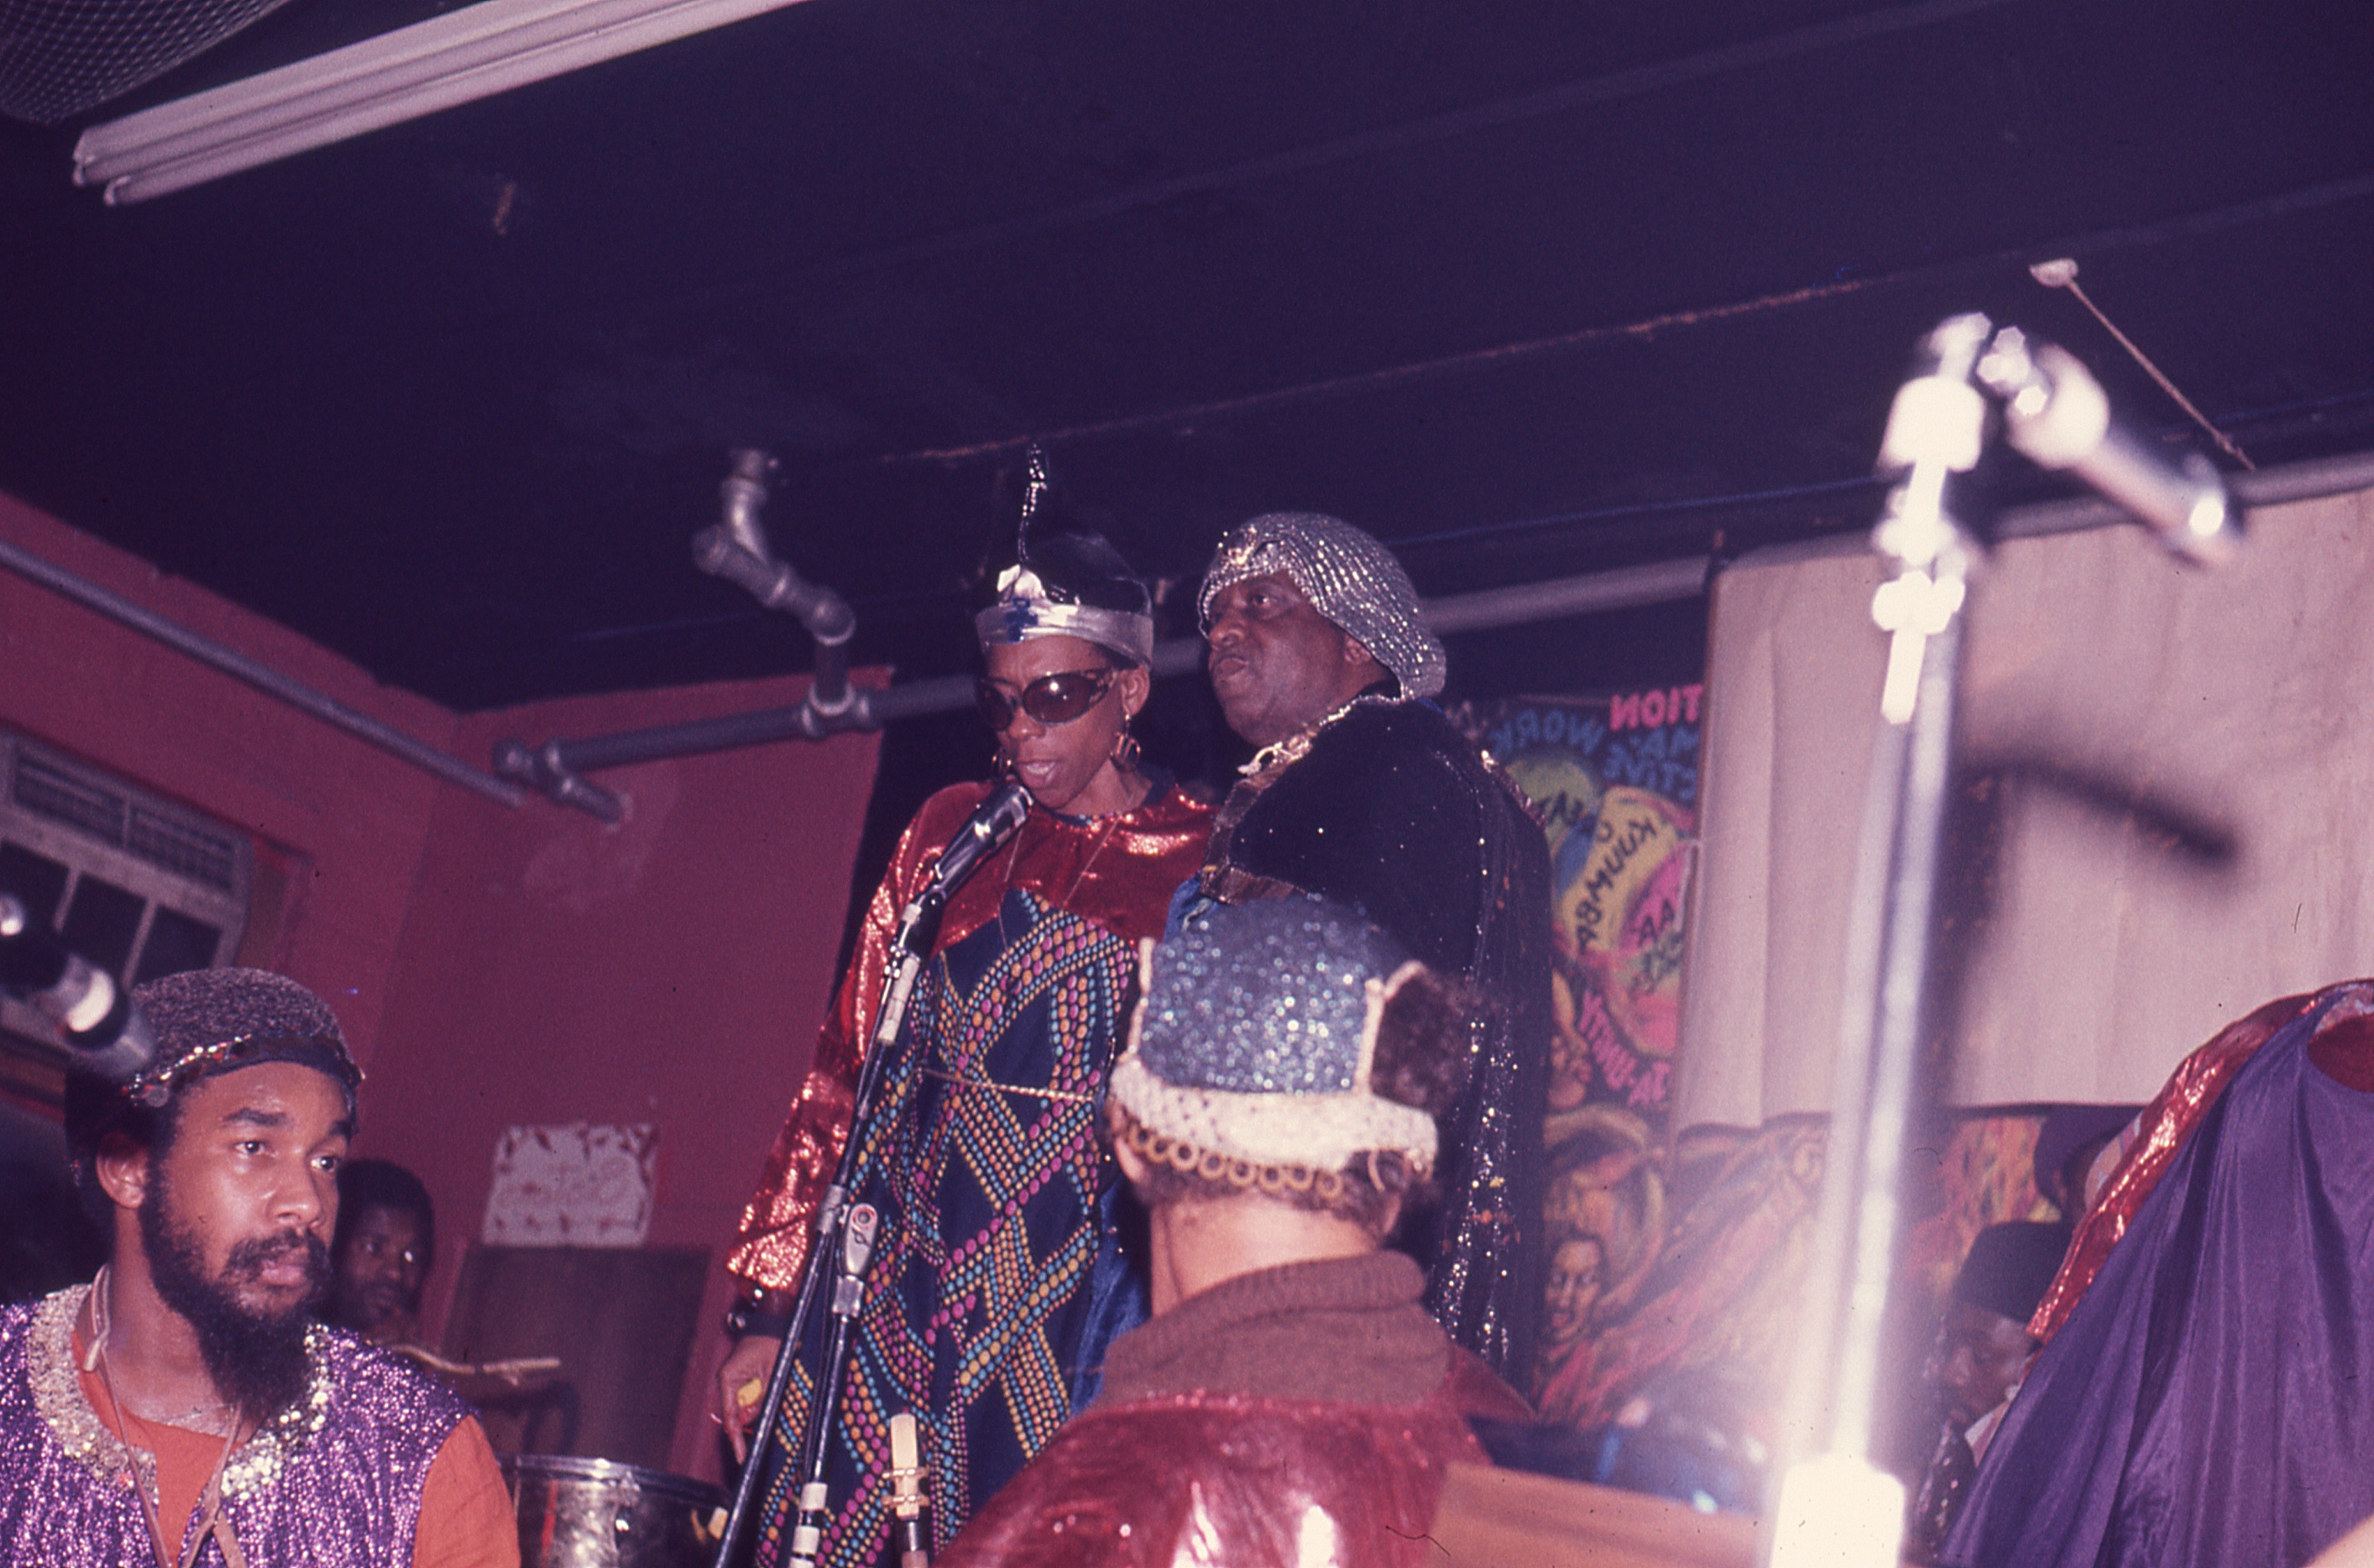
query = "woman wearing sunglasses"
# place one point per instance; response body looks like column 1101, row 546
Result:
column 999, row 1278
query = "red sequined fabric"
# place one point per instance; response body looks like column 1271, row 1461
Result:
column 1118, row 871
column 1236, row 1481
column 2165, row 1123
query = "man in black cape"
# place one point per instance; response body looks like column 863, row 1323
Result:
column 1363, row 792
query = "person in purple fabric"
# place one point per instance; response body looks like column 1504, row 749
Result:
column 2207, row 1401
column 184, row 1405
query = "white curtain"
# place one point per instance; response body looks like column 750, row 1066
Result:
column 2242, row 700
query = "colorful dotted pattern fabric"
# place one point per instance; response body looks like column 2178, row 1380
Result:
column 985, row 1165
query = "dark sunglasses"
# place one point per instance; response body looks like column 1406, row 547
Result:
column 1050, row 699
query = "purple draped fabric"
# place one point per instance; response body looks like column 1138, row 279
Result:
column 2211, row 1401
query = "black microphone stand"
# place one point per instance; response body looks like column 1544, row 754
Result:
column 836, row 1223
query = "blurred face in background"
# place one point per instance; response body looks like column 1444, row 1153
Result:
column 381, row 1268
column 1978, row 1356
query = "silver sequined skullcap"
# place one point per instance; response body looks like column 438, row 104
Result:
column 1257, row 1035
column 1348, row 578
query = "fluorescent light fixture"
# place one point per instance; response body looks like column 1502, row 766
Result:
column 457, row 58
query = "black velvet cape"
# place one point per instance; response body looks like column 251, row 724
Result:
column 1390, row 808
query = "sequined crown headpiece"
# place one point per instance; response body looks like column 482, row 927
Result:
column 1067, row 582
column 1255, row 1038
column 1348, row 578
column 211, row 1020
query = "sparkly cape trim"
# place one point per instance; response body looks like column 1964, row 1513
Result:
column 57, row 1393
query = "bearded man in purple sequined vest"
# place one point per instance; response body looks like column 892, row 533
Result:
column 183, row 1408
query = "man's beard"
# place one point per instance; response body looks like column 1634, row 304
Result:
column 257, row 1361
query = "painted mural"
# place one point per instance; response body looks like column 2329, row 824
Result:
column 1614, row 780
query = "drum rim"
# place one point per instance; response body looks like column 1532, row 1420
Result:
column 611, row 1472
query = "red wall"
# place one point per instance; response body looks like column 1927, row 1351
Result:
column 491, row 966
column 670, row 970
column 355, row 816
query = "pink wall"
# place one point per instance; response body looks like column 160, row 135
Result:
column 671, row 970
column 491, row 966
column 356, row 817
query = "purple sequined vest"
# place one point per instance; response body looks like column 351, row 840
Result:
column 334, row 1479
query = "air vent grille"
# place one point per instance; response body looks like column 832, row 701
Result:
column 182, row 848
column 171, row 844
column 46, row 792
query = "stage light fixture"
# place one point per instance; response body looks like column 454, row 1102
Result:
column 457, row 58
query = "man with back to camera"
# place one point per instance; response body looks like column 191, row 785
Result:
column 1363, row 792
column 185, row 1399
column 1289, row 1401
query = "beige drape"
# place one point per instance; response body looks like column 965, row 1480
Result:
column 2242, row 699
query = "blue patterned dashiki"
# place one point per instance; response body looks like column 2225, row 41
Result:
column 998, row 1278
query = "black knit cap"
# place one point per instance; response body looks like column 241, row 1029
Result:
column 208, row 1022
column 2011, row 1265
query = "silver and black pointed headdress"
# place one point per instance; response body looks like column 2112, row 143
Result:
column 1066, row 582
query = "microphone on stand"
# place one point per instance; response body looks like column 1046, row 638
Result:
column 992, row 824
column 93, row 1013
column 2056, row 414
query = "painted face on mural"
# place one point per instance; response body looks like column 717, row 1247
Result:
column 1572, row 1289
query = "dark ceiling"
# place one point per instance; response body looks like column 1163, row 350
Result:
column 1526, row 288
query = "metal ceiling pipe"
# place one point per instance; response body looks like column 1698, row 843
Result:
column 1625, row 588
column 264, row 678
column 557, row 768
column 737, row 550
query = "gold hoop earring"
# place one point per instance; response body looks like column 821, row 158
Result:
column 1124, row 751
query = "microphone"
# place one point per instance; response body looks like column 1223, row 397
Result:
column 992, row 824
column 912, row 1510
column 2056, row 414
column 91, row 1011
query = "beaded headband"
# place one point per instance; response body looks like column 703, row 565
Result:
column 158, row 1082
